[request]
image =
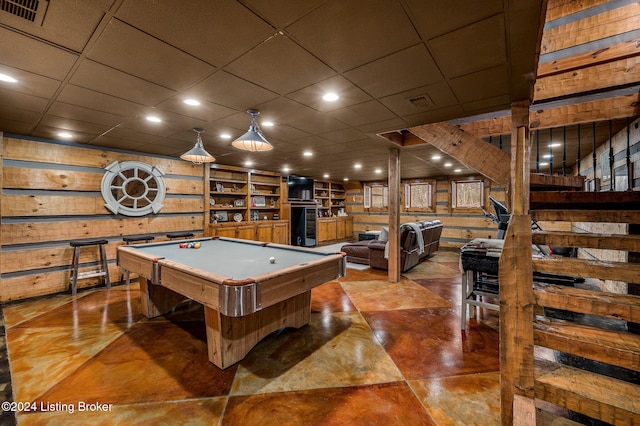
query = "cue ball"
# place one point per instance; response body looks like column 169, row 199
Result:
column 272, row 259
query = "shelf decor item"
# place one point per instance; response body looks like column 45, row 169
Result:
column 237, row 217
column 238, row 203
column 222, row 216
column 219, row 187
column 259, row 201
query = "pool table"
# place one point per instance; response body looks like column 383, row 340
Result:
column 245, row 296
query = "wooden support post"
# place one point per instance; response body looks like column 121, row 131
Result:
column 394, row 215
column 207, row 213
column 516, row 279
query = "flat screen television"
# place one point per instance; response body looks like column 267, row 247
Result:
column 300, row 188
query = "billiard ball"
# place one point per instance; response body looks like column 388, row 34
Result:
column 272, row 259
column 196, row 245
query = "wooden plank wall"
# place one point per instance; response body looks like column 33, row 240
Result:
column 51, row 195
column 459, row 228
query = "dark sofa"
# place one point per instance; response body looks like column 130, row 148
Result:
column 371, row 252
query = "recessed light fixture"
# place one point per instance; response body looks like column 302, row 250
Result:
column 346, row 179
column 436, row 157
column 267, row 123
column 448, row 164
column 543, row 164
column 65, row 135
column 357, row 166
column 554, row 144
column 457, row 170
column 7, row 78
column 547, row 156
column 308, row 154
column 330, row 97
column 248, row 163
column 153, row 119
column 378, row 171
column 326, row 175
column 192, row 102
column 286, row 169
column 225, row 136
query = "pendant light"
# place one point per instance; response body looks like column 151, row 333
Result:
column 253, row 139
column 197, row 154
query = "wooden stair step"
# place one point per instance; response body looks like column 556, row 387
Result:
column 604, row 216
column 545, row 418
column 583, row 240
column 609, row 305
column 591, row 394
column 542, row 182
column 582, row 200
column 609, row 346
column 585, row 268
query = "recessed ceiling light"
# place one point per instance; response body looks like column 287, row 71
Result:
column 326, row 175
column 357, row 166
column 554, row 144
column 547, row 156
column 65, row 135
column 286, row 169
column 7, row 78
column 330, row 97
column 378, row 171
column 345, row 179
column 192, row 102
column 543, row 164
column 308, row 154
column 225, row 135
column 267, row 123
column 436, row 157
column 153, row 119
column 457, row 170
column 248, row 163
column 448, row 164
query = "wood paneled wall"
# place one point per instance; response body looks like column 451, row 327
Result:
column 51, row 195
column 459, row 227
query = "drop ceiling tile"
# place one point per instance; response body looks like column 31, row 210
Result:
column 364, row 113
column 487, row 83
column 18, row 127
column 22, row 101
column 9, row 112
column 410, row 68
column 87, row 98
column 478, row 46
column 298, row 116
column 98, row 77
column 487, row 104
column 44, row 59
column 30, row 83
column 51, row 132
column 228, row 90
column 61, row 109
column 171, row 123
column 344, row 135
column 347, row 34
column 421, row 99
column 71, row 27
column 434, row 116
column 383, row 126
column 206, row 111
column 215, row 32
column 73, row 125
column 279, row 65
column 132, row 51
column 434, row 18
column 311, row 96
column 282, row 12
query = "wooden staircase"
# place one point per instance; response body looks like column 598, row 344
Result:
column 581, row 324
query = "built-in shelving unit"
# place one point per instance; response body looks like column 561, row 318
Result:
column 330, row 196
column 246, row 203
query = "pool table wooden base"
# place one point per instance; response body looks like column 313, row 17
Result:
column 229, row 339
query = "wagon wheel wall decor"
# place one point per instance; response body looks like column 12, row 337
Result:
column 132, row 188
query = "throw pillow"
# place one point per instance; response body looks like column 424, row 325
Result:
column 384, row 234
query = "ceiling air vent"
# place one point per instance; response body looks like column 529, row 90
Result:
column 31, row 10
column 421, row 101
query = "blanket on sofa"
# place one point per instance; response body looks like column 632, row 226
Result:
column 419, row 238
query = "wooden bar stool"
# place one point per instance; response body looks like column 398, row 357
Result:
column 174, row 235
column 131, row 240
column 103, row 271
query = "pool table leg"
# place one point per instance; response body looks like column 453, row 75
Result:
column 229, row 339
column 157, row 300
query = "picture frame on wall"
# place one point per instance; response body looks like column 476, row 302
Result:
column 621, row 178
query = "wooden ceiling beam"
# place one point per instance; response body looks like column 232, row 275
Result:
column 560, row 8
column 470, row 150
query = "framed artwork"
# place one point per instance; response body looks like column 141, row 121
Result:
column 621, row 178
column 221, row 216
column 259, row 201
column 238, row 203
